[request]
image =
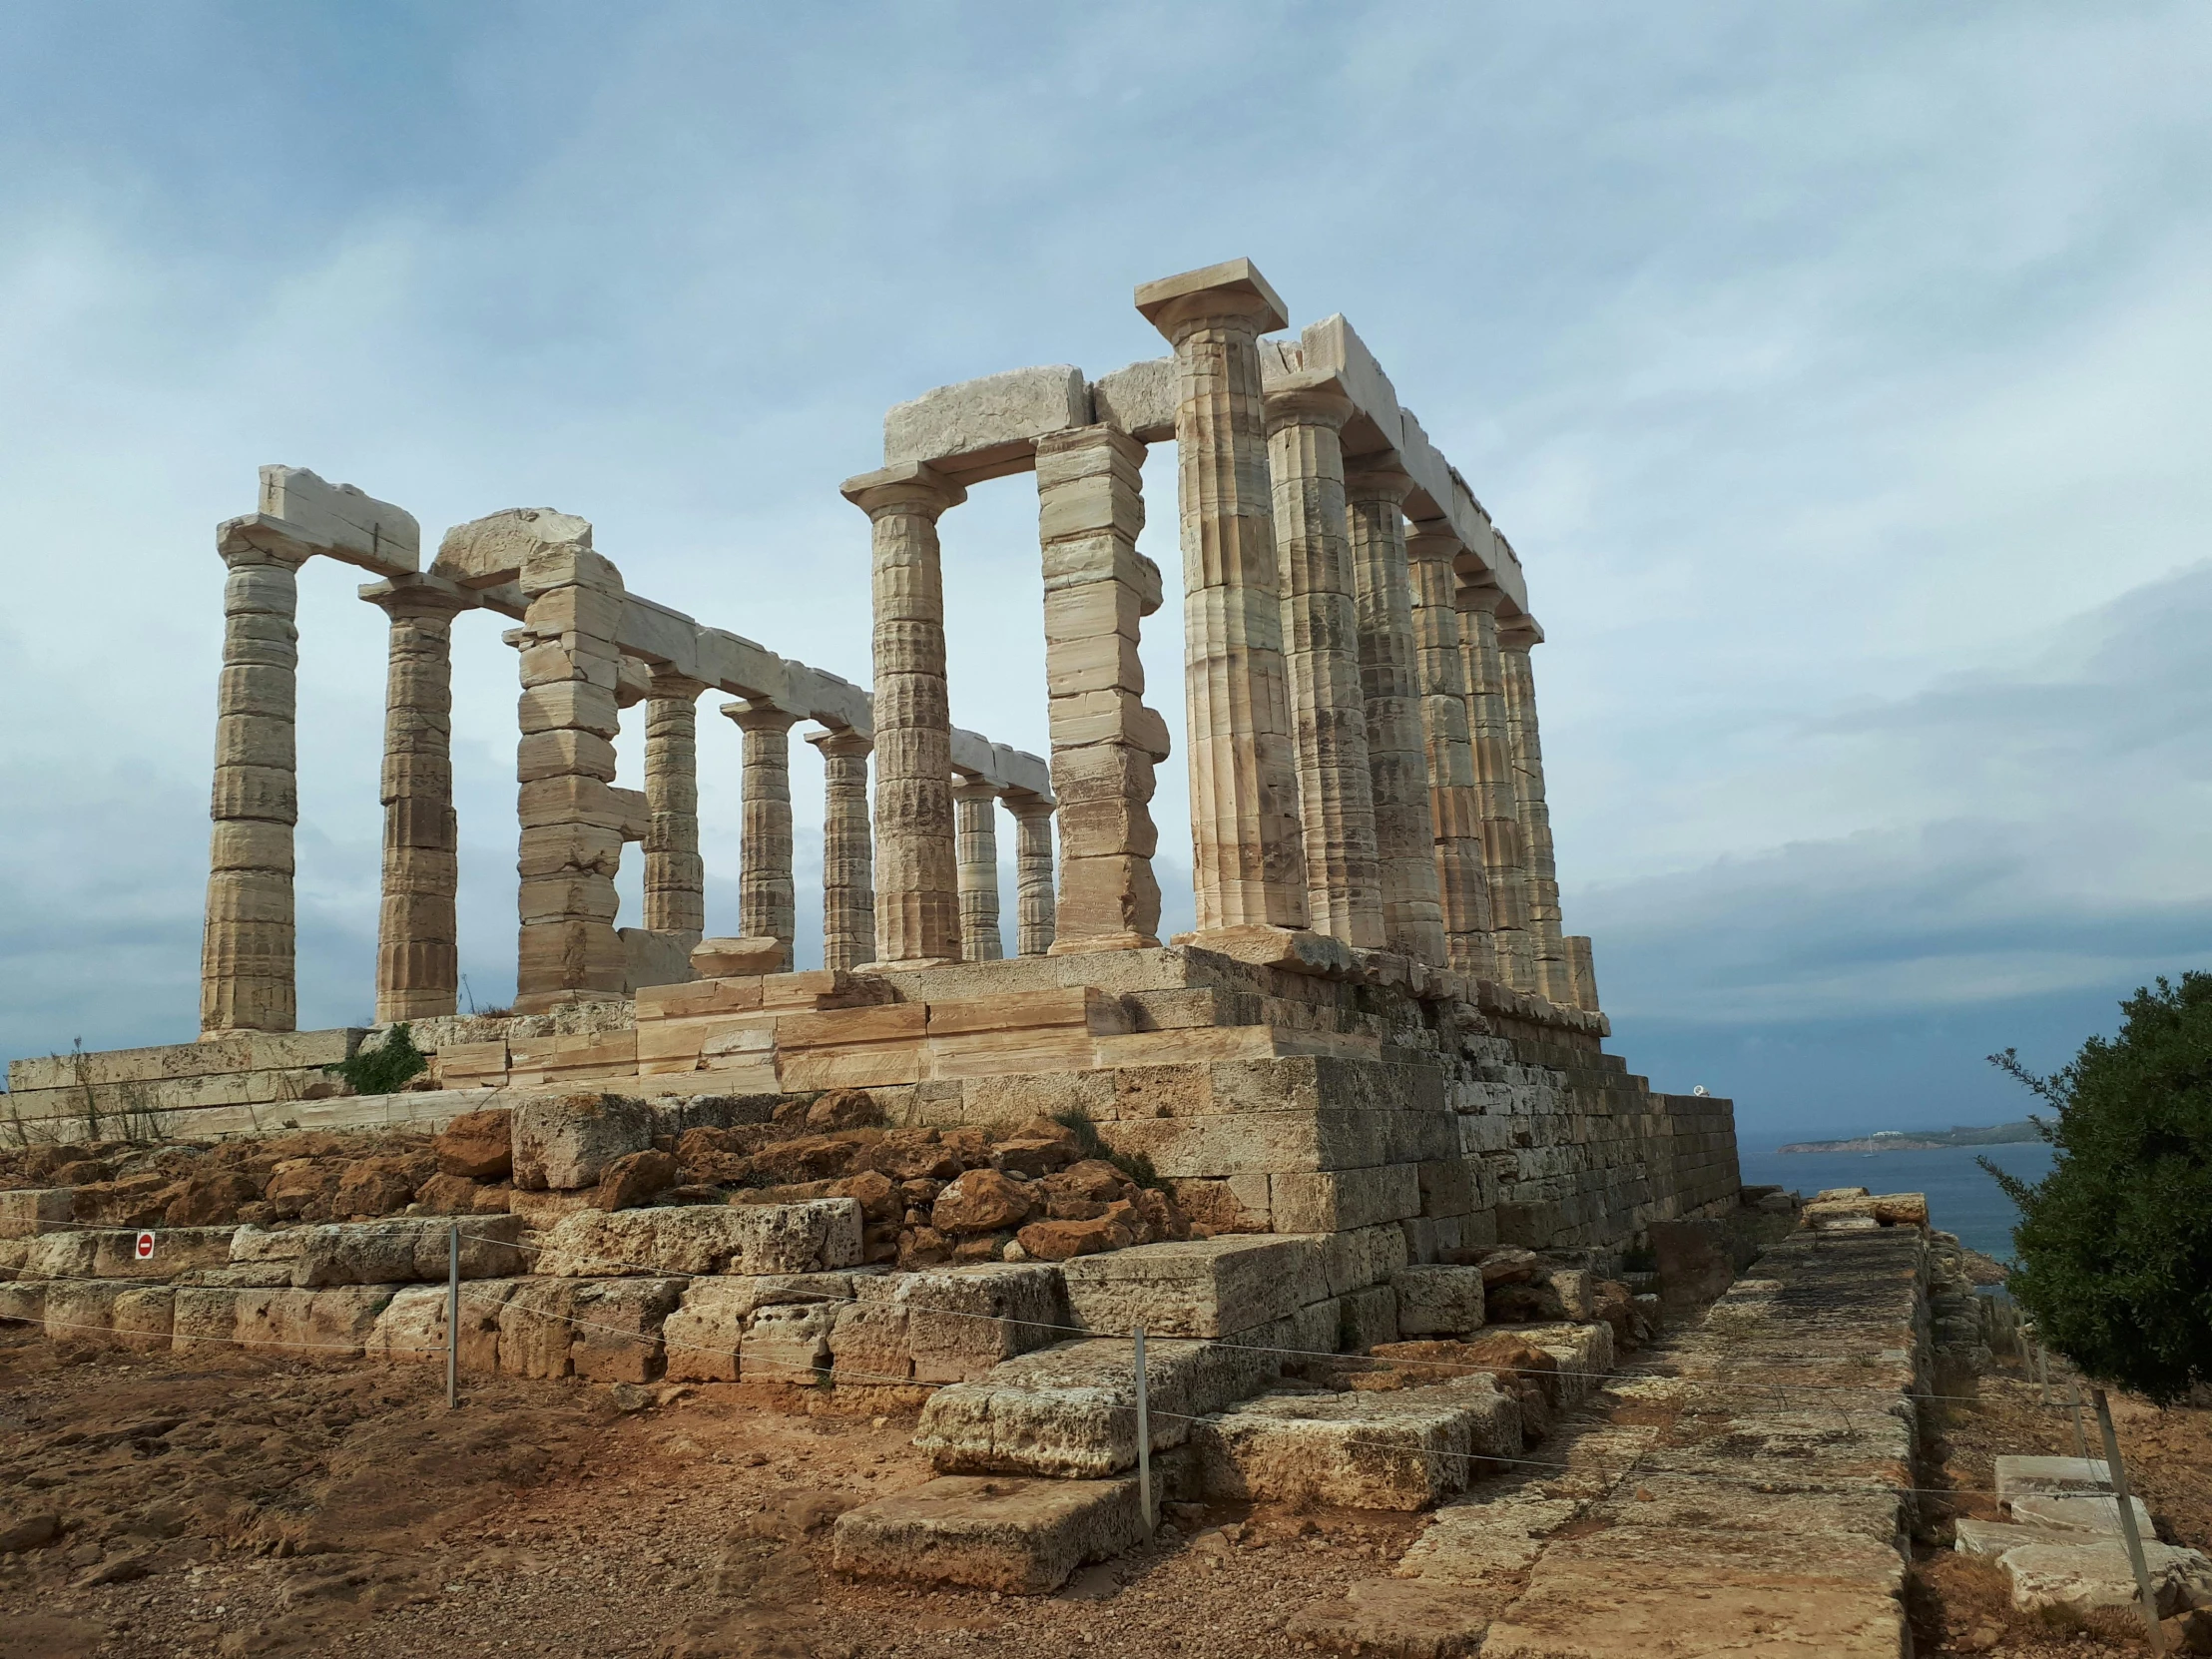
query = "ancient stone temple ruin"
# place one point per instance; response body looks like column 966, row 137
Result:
column 1378, row 1019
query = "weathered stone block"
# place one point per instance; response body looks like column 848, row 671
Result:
column 1197, row 1288
column 1402, row 1450
column 1440, row 1301
column 618, row 1328
column 963, row 1320
column 29, row 1211
column 703, row 1336
column 565, row 1142
column 787, row 1344
column 1020, row 1538
column 817, row 1236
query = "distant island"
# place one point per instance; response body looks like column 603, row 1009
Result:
column 1922, row 1140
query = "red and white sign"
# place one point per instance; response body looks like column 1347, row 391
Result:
column 145, row 1246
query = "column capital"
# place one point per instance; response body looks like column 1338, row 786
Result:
column 838, row 739
column 257, row 539
column 418, row 596
column 1433, row 541
column 1377, row 479
column 916, row 487
column 1470, row 596
column 760, row 717
column 1024, row 806
column 1314, row 398
column 664, row 684
column 1518, row 633
column 973, row 789
column 1233, row 290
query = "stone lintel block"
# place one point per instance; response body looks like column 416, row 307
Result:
column 1231, row 288
column 987, row 427
column 1139, row 399
column 1015, row 1537
column 1197, row 1287
column 341, row 521
column 1292, row 949
column 489, row 552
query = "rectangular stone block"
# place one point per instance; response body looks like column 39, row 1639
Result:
column 29, row 1211
column 817, row 1236
column 1440, row 1301
column 1334, row 1201
column 617, row 1326
column 704, row 1336
column 962, row 1321
column 1018, row 1537
column 1199, row 1287
column 788, row 1343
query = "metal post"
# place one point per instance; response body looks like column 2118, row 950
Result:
column 454, row 1315
column 2081, row 1440
column 1144, row 1442
column 2127, row 1519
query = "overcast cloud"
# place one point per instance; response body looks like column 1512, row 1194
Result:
column 1840, row 373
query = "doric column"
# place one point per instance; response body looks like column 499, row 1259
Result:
column 1582, row 972
column 1035, row 916
column 419, row 968
column 768, row 898
column 1405, row 833
column 1247, row 856
column 1496, row 787
column 1320, row 628
column 573, row 820
column 917, row 901
column 975, row 804
column 848, row 857
column 1553, row 977
column 245, row 952
column 1441, row 676
column 1105, row 742
column 675, row 876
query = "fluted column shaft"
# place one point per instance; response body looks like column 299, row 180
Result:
column 1555, row 978
column 1404, row 824
column 1497, row 787
column 1105, row 740
column 1247, row 854
column 675, row 875
column 917, row 901
column 247, row 947
column 768, row 896
column 1440, row 672
column 417, row 940
column 1321, row 625
column 1582, row 972
column 1035, row 916
column 848, row 856
column 976, row 806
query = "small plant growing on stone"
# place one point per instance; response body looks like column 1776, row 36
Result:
column 1136, row 1165
column 2116, row 1243
column 388, row 1068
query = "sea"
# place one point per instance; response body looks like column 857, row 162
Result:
column 1962, row 1198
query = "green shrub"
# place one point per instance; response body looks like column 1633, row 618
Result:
column 386, row 1068
column 2114, row 1245
column 1136, row 1165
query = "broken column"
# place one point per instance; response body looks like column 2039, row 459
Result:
column 976, row 806
column 417, row 940
column 1105, row 742
column 1552, row 976
column 917, row 913
column 1035, row 917
column 1248, row 859
column 848, row 859
column 768, row 896
column 245, row 955
column 1581, row 972
column 572, row 817
column 1497, row 791
column 1320, row 624
column 675, row 875
column 1376, row 488
column 1440, row 673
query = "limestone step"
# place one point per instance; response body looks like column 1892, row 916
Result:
column 1016, row 1536
column 1195, row 1288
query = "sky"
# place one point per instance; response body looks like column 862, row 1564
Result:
column 1838, row 372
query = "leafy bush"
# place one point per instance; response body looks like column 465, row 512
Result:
column 2116, row 1243
column 386, row 1068
column 1136, row 1165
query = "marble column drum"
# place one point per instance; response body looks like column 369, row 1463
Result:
column 1404, row 826
column 246, row 945
column 1320, row 626
column 1248, row 857
column 975, row 810
column 768, row 894
column 418, row 937
column 917, row 898
column 847, row 853
column 1440, row 673
column 1036, row 921
column 1105, row 740
column 675, row 875
column 1497, row 789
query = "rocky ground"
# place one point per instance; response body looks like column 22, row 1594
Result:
column 241, row 1508
column 1962, row 1605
